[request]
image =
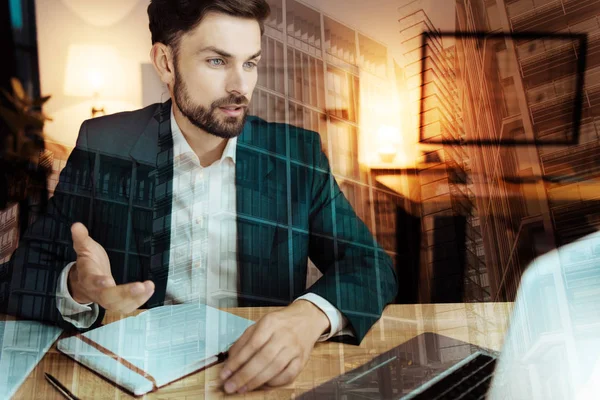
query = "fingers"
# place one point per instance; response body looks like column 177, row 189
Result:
column 94, row 283
column 288, row 375
column 238, row 345
column 84, row 286
column 102, row 289
column 92, row 280
column 79, row 233
column 273, row 369
column 258, row 362
column 125, row 298
column 273, row 351
column 246, row 348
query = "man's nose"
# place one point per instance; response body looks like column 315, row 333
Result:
column 238, row 82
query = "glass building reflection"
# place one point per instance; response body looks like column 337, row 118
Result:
column 461, row 223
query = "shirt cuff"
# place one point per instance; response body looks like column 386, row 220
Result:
column 337, row 320
column 80, row 315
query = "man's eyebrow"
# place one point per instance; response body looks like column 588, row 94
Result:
column 225, row 54
column 255, row 55
column 218, row 51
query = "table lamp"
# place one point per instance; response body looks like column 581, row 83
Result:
column 388, row 143
column 93, row 72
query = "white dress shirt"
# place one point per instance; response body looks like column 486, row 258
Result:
column 204, row 217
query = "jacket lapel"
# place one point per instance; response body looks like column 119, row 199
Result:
column 261, row 210
column 154, row 148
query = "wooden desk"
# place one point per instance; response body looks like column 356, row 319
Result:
column 482, row 324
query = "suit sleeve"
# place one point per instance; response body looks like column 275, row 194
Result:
column 47, row 246
column 358, row 276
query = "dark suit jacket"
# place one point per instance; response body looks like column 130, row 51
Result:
column 118, row 182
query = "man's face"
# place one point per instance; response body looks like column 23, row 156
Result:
column 216, row 72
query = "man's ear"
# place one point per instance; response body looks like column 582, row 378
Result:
column 162, row 59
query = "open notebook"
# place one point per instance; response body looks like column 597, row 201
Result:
column 158, row 346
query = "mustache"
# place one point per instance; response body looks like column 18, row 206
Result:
column 233, row 99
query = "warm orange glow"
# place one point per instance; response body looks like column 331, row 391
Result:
column 94, row 70
column 389, row 141
column 389, row 138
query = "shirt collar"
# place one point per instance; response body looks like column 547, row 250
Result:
column 181, row 146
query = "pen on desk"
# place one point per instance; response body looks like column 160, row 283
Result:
column 60, row 387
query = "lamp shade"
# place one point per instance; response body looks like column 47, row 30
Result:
column 93, row 70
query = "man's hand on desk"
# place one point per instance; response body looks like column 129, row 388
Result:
column 275, row 349
column 90, row 279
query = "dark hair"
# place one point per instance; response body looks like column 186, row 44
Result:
column 170, row 19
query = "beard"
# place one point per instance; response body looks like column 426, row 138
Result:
column 206, row 118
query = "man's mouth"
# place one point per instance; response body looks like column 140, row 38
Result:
column 233, row 111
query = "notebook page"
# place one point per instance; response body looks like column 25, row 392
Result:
column 104, row 365
column 171, row 341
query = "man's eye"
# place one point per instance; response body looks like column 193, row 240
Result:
column 216, row 62
column 250, row 64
